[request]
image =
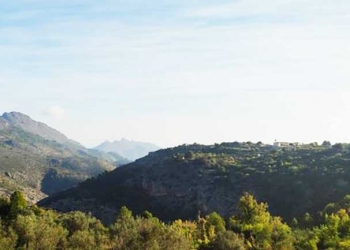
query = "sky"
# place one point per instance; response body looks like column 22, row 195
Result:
column 175, row 72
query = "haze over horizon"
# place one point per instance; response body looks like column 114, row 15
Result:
column 179, row 72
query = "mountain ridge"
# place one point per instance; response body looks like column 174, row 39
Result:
column 40, row 160
column 24, row 122
column 129, row 149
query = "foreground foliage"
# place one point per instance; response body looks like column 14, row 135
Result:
column 251, row 227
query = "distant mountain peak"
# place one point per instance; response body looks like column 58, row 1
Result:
column 14, row 113
column 15, row 116
column 129, row 149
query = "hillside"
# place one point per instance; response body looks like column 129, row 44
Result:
column 25, row 123
column 131, row 150
column 190, row 179
column 40, row 160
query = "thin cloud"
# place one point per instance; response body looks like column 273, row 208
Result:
column 181, row 63
column 55, row 112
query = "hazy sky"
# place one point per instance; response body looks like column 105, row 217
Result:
column 174, row 72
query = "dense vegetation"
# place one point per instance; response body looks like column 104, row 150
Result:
column 250, row 227
column 184, row 181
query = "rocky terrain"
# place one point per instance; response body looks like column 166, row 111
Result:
column 40, row 160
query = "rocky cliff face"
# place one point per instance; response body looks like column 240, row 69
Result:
column 3, row 123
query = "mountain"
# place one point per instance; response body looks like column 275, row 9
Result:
column 110, row 156
column 25, row 123
column 187, row 180
column 131, row 150
column 40, row 161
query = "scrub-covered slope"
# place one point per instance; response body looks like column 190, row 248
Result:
column 40, row 160
column 187, row 180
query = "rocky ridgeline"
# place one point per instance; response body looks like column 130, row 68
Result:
column 40, row 161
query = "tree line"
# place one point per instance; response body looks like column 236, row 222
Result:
column 251, row 227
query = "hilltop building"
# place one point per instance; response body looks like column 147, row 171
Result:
column 286, row 144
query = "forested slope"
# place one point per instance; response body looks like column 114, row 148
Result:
column 188, row 180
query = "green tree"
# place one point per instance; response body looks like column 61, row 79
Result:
column 261, row 230
column 124, row 214
column 39, row 232
column 306, row 239
column 188, row 230
column 17, row 203
column 8, row 238
column 215, row 220
column 227, row 240
column 85, row 231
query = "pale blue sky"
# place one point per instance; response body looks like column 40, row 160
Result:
column 174, row 72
